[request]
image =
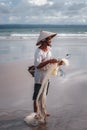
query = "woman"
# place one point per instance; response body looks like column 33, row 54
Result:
column 43, row 57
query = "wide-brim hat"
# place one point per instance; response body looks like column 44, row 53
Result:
column 43, row 35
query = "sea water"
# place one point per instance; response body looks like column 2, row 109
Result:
column 19, row 42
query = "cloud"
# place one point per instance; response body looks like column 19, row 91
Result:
column 4, row 8
column 39, row 2
column 44, row 11
column 12, row 19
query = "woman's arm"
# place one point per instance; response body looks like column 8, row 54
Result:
column 51, row 61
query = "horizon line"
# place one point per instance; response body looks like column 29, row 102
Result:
column 41, row 24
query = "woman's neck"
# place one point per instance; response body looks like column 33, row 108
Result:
column 44, row 48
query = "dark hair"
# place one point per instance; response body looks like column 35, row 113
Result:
column 46, row 41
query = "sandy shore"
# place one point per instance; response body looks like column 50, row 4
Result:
column 15, row 84
column 66, row 100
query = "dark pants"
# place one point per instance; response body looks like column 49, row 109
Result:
column 37, row 88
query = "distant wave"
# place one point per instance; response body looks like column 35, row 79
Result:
column 18, row 36
column 72, row 35
column 26, row 36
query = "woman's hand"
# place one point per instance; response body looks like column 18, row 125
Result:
column 60, row 62
column 52, row 61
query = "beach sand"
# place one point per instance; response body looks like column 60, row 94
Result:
column 66, row 100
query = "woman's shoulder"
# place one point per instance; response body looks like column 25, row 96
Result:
column 38, row 51
column 49, row 48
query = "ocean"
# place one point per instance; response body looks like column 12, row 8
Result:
column 25, row 31
column 18, row 41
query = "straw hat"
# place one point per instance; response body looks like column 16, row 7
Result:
column 43, row 35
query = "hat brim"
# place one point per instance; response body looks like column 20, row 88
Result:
column 51, row 36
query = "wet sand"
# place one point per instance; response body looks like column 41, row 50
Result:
column 66, row 100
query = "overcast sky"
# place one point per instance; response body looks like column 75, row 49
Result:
column 43, row 11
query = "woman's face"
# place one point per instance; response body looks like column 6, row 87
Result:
column 48, row 41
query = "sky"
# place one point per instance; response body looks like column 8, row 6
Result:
column 43, row 12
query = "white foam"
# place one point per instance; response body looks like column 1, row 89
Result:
column 72, row 35
column 18, row 36
column 23, row 35
column 35, row 35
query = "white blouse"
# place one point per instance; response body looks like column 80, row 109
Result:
column 41, row 56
